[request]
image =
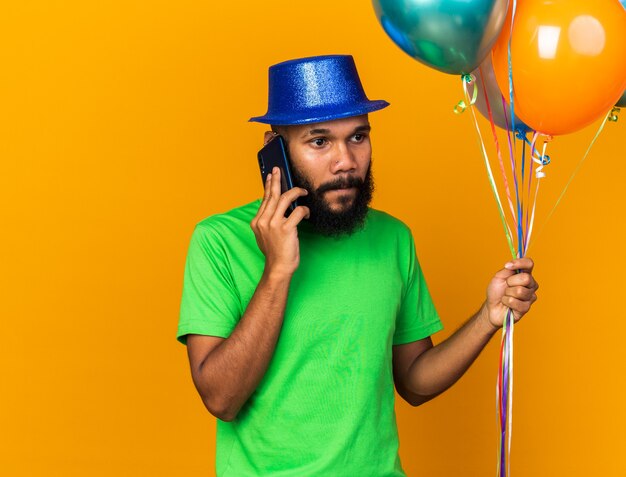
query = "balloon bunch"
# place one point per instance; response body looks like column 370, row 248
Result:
column 534, row 69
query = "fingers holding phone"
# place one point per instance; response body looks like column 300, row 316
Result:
column 276, row 235
column 274, row 154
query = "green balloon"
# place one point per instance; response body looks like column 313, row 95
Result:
column 453, row 36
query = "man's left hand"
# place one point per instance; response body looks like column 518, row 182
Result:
column 512, row 287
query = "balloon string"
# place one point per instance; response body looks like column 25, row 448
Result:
column 539, row 174
column 519, row 131
column 504, row 395
column 504, row 468
column 499, row 152
column 520, row 205
column 519, row 195
column 533, row 152
column 611, row 115
column 530, row 143
column 510, row 383
column 467, row 79
column 510, row 64
column 539, row 158
column 499, row 417
column 504, row 385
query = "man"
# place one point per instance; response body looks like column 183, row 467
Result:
column 298, row 328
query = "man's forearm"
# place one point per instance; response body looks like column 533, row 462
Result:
column 232, row 371
column 439, row 367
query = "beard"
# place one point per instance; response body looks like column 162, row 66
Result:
column 332, row 223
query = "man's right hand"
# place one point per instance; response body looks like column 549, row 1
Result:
column 277, row 235
column 226, row 371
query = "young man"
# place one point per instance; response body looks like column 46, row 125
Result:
column 298, row 328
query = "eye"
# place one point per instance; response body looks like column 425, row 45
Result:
column 319, row 141
column 359, row 137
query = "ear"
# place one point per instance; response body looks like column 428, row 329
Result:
column 269, row 135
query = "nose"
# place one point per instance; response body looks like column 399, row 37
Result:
column 343, row 160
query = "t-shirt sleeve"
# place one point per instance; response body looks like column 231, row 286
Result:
column 210, row 303
column 418, row 317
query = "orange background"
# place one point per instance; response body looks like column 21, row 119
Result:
column 123, row 124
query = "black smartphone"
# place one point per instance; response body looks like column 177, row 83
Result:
column 274, row 154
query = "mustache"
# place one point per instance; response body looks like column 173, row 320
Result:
column 341, row 183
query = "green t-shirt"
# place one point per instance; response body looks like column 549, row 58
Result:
column 325, row 406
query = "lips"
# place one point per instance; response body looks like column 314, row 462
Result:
column 342, row 189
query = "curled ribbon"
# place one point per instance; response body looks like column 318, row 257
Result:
column 542, row 160
column 461, row 106
column 614, row 114
column 538, row 158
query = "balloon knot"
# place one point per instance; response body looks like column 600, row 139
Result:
column 614, row 114
column 520, row 134
column 461, row 106
column 467, row 78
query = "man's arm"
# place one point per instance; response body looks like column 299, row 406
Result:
column 422, row 371
column 226, row 371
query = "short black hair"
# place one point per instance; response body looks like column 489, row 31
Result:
column 278, row 129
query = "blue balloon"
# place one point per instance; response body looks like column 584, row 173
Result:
column 453, row 36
